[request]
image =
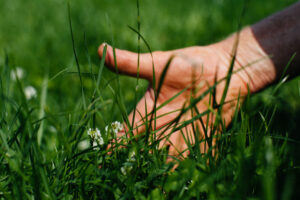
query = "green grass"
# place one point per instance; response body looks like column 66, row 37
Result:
column 41, row 155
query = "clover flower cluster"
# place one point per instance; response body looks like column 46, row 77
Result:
column 97, row 138
column 125, row 169
column 114, row 127
column 96, row 135
column 30, row 92
column 19, row 72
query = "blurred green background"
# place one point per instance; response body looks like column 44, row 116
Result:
column 36, row 36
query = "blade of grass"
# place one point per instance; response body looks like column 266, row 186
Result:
column 42, row 106
column 153, row 78
column 76, row 57
column 100, row 70
column 138, row 59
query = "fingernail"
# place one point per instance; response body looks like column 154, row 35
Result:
column 105, row 44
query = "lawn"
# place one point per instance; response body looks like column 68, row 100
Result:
column 47, row 110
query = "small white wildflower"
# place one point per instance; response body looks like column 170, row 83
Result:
column 100, row 140
column 116, row 127
column 92, row 133
column 96, row 135
column 30, row 92
column 19, row 72
column 83, row 145
column 95, row 144
column 126, row 169
column 123, row 170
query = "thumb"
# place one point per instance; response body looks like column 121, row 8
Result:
column 127, row 61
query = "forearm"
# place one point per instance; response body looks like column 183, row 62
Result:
column 269, row 45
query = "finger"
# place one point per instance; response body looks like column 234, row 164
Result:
column 137, row 117
column 144, row 112
column 178, row 148
column 174, row 154
column 175, row 141
column 179, row 141
column 127, row 62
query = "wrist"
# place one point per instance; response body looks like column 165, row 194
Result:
column 252, row 64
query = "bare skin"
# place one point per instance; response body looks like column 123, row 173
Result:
column 266, row 47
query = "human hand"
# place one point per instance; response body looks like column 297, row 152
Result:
column 194, row 69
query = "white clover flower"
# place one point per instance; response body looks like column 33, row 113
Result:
column 126, row 169
column 114, row 127
column 83, row 145
column 30, row 92
column 123, row 170
column 19, row 72
column 96, row 136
